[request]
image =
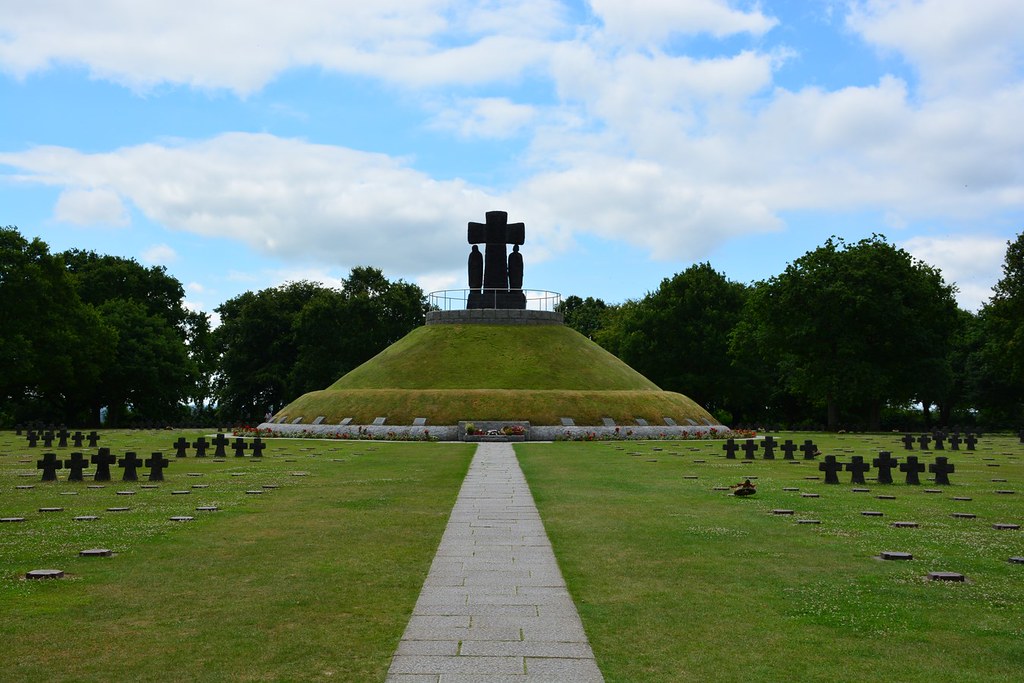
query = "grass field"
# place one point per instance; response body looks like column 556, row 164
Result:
column 313, row 580
column 677, row 582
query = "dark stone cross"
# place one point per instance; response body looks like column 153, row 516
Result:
column 156, row 464
column 49, row 465
column 857, row 468
column 941, row 468
column 47, row 439
column 257, row 447
column 954, row 442
column 749, row 449
column 730, row 449
column 908, row 442
column 970, row 441
column 33, row 439
column 831, row 468
column 62, row 438
column 180, row 447
column 1020, row 435
column 103, row 460
column 912, row 467
column 129, row 463
column 809, row 450
column 200, row 445
column 240, row 447
column 94, row 438
column 496, row 271
column 768, row 445
column 76, row 439
column 220, row 441
column 885, row 464
column 939, row 439
column 924, row 440
column 76, row 463
column 788, row 448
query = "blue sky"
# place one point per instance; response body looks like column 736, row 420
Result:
column 243, row 144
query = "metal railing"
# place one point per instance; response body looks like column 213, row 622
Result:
column 458, row 299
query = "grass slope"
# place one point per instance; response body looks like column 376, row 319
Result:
column 313, row 580
column 542, row 357
column 448, row 373
column 677, row 582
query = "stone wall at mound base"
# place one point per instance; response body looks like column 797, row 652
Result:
column 454, row 433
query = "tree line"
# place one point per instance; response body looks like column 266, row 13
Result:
column 851, row 335
column 84, row 335
column 857, row 335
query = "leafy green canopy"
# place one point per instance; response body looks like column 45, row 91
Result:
column 279, row 343
column 854, row 327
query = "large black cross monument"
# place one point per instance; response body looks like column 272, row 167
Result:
column 496, row 277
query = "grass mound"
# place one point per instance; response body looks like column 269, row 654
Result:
column 448, row 373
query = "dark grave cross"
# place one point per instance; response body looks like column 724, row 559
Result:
column 1020, row 435
column 749, row 449
column 908, row 442
column 788, row 448
column 940, row 439
column 954, row 442
column 62, row 438
column 924, row 440
column 93, row 438
column 831, row 468
column 912, row 467
column 240, row 447
column 857, row 468
column 76, row 464
column 47, row 439
column 941, row 468
column 33, row 439
column 200, row 445
column 156, row 464
column 496, row 234
column 809, row 450
column 180, row 447
column 768, row 446
column 49, row 465
column 130, row 464
column 257, row 447
column 103, row 460
column 220, row 441
column 971, row 441
column 730, row 449
column 76, row 439
column 885, row 464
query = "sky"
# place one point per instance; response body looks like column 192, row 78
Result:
column 243, row 144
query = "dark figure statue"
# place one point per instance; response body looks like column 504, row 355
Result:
column 476, row 269
column 496, row 234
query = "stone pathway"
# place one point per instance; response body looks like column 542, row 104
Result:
column 494, row 606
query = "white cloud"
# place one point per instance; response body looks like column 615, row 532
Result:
column 973, row 262
column 195, row 288
column 96, row 206
column 159, row 255
column 489, row 117
column 655, row 20
column 957, row 46
column 243, row 46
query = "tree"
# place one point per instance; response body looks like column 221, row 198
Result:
column 678, row 336
column 853, row 327
column 998, row 364
column 586, row 316
column 52, row 345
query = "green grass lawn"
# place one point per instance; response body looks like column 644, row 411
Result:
column 675, row 581
column 312, row 580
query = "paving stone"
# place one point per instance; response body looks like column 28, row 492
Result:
column 494, row 599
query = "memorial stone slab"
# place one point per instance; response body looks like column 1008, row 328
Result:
column 319, row 419
column 379, row 421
